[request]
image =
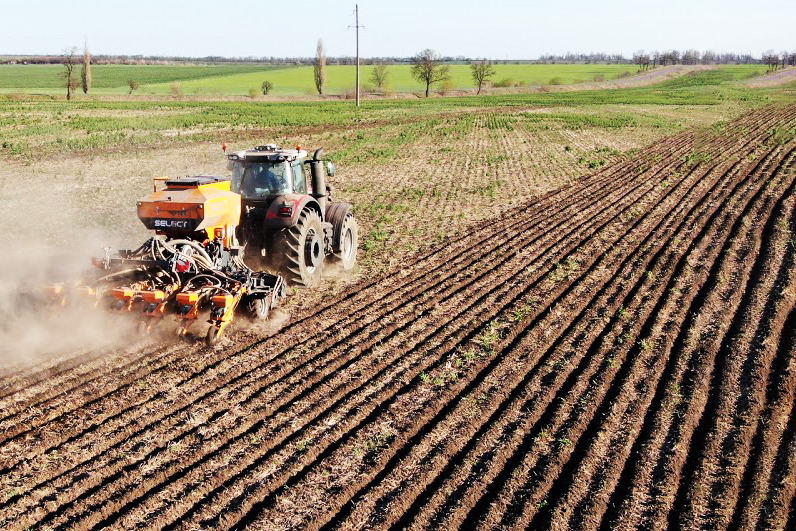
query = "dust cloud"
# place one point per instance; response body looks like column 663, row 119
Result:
column 277, row 319
column 34, row 326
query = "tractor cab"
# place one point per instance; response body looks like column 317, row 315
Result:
column 288, row 221
column 268, row 171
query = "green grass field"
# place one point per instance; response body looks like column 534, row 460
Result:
column 113, row 78
column 32, row 126
column 299, row 80
column 238, row 80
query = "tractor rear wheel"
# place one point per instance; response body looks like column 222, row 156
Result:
column 302, row 246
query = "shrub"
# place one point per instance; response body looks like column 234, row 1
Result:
column 505, row 82
column 556, row 81
column 598, row 78
column 445, row 87
column 252, row 93
column 176, row 90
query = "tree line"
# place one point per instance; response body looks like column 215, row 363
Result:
column 666, row 57
column 694, row 57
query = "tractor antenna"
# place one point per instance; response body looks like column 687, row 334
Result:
column 357, row 26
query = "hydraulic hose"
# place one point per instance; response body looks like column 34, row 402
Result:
column 205, row 258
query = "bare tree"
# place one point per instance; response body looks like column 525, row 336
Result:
column 642, row 59
column 690, row 57
column 378, row 76
column 771, row 59
column 427, row 68
column 709, row 57
column 320, row 67
column 85, row 74
column 670, row 57
column 133, row 84
column 69, row 61
column 481, row 72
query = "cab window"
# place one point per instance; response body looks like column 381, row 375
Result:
column 299, row 179
column 262, row 179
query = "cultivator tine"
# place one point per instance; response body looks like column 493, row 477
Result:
column 188, row 310
column 123, row 299
column 56, row 294
column 155, row 302
column 222, row 313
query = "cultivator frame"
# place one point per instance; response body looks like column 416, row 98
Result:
column 192, row 268
column 175, row 278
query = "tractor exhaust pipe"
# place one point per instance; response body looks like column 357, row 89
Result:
column 318, row 179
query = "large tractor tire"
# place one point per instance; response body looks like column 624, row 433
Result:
column 302, row 248
column 346, row 235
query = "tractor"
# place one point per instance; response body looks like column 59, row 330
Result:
column 213, row 237
column 288, row 220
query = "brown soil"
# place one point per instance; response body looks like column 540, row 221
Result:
column 613, row 354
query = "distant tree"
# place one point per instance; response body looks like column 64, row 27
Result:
column 481, row 72
column 690, row 57
column 656, row 58
column 320, row 66
column 709, row 57
column 85, row 74
column 267, row 86
column 427, row 68
column 642, row 59
column 133, row 84
column 771, row 59
column 69, row 62
column 378, row 76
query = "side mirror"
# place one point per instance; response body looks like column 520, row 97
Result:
column 330, row 169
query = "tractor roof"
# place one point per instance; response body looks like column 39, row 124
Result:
column 268, row 152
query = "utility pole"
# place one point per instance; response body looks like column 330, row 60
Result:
column 356, row 12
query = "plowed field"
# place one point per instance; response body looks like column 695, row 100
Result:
column 616, row 354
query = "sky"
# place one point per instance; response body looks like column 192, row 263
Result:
column 493, row 29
